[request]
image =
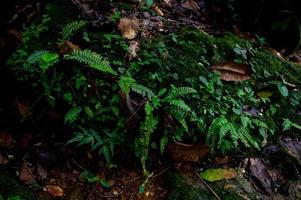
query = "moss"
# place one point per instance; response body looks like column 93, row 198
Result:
column 267, row 62
column 9, row 186
column 180, row 189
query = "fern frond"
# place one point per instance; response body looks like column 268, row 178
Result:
column 36, row 56
column 180, row 92
column 72, row 28
column 146, row 129
column 259, row 123
column 142, row 90
column 92, row 59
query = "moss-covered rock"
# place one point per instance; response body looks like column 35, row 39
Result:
column 180, row 188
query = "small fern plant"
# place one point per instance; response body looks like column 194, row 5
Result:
column 92, row 59
column 170, row 100
column 92, row 138
column 227, row 133
column 71, row 29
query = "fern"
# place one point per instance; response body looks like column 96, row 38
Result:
column 142, row 90
column 92, row 59
column 180, row 92
column 70, row 29
column 221, row 127
column 36, row 56
column 238, row 131
column 94, row 140
column 146, row 129
column 287, row 125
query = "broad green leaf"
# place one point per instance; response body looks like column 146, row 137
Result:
column 104, row 183
column 125, row 84
column 142, row 188
column 1, row 197
column 217, row 174
column 72, row 114
column 264, row 94
column 283, row 90
column 149, row 3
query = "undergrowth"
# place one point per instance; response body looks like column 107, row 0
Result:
column 168, row 93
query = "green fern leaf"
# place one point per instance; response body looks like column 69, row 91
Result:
column 92, row 59
column 70, row 29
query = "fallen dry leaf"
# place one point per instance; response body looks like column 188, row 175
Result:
column 6, row 140
column 232, row 71
column 129, row 27
column 133, row 49
column 189, row 153
column 3, row 159
column 54, row 190
column 26, row 174
column 42, row 173
column 191, row 5
column 157, row 10
column 24, row 109
column 67, row 47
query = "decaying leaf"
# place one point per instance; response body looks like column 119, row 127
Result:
column 189, row 153
column 26, row 173
column 67, row 47
column 3, row 159
column 259, row 172
column 157, row 10
column 24, row 109
column 129, row 27
column 218, row 174
column 191, row 5
column 54, row 190
column 133, row 49
column 264, row 94
column 232, row 71
column 6, row 140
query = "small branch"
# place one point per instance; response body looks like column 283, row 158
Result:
column 209, row 188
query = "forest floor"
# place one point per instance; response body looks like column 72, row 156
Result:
column 35, row 163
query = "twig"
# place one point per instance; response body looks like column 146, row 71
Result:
column 209, row 188
column 160, row 173
column 78, row 165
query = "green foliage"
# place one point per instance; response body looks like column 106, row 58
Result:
column 71, row 29
column 231, row 132
column 287, row 125
column 104, row 145
column 94, row 179
column 146, row 129
column 142, row 105
column 45, row 59
column 92, row 59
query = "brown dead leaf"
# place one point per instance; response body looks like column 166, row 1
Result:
column 129, row 27
column 191, row 5
column 24, row 109
column 54, row 190
column 157, row 10
column 26, row 174
column 3, row 159
column 232, row 71
column 133, row 49
column 6, row 140
column 189, row 153
column 67, row 47
column 41, row 172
